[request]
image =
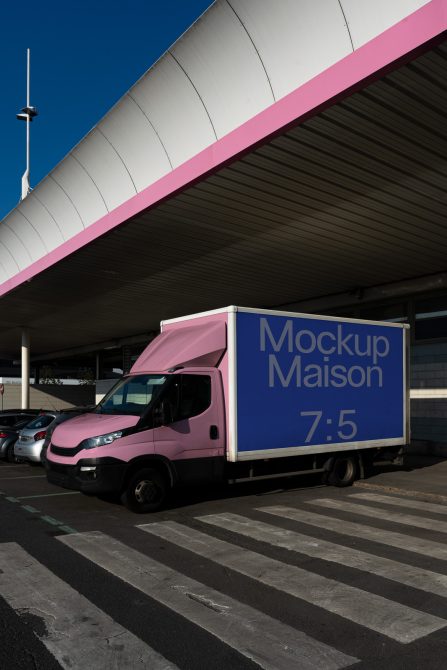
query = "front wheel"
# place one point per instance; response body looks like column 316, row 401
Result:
column 146, row 491
column 344, row 471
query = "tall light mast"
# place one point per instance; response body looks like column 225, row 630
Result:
column 27, row 114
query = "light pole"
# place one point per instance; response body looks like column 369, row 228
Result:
column 27, row 115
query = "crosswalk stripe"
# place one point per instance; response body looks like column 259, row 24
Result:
column 385, row 515
column 417, row 578
column 266, row 641
column 384, row 616
column 434, row 508
column 78, row 634
column 353, row 529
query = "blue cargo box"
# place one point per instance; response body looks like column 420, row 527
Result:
column 300, row 383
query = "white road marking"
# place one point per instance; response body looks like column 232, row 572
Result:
column 16, row 466
column 50, row 495
column 385, row 515
column 384, row 616
column 434, row 508
column 417, row 578
column 269, row 643
column 78, row 634
column 352, row 529
column 9, row 479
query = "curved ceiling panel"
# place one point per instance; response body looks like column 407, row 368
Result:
column 289, row 39
column 368, row 19
column 130, row 131
column 106, row 168
column 8, row 262
column 4, row 276
column 60, row 207
column 219, row 57
column 10, row 239
column 42, row 221
column 81, row 190
column 28, row 236
column 160, row 96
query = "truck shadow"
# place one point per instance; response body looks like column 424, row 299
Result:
column 411, row 462
column 190, row 496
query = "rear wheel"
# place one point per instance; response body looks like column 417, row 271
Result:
column 145, row 491
column 10, row 456
column 344, row 471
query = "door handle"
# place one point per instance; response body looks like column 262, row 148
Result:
column 214, row 432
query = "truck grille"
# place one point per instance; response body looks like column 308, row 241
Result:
column 63, row 451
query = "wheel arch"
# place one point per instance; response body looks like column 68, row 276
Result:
column 162, row 464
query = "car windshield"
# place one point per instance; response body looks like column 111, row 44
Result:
column 132, row 395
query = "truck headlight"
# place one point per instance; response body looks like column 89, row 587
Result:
column 100, row 440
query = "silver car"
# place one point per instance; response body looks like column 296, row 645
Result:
column 31, row 438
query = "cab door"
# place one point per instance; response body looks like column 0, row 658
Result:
column 192, row 432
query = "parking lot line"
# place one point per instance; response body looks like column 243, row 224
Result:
column 52, row 520
column 50, row 495
column 9, row 479
column 68, row 529
column 33, row 510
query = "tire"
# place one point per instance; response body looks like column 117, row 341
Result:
column 344, row 471
column 10, row 457
column 145, row 491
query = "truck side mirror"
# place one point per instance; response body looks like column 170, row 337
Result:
column 163, row 413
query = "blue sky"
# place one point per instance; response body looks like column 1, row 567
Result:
column 84, row 56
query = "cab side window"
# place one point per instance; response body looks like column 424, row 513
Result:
column 195, row 396
column 188, row 396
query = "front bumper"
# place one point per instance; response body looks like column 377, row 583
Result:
column 91, row 475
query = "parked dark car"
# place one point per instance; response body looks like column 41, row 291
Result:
column 9, row 433
column 9, row 417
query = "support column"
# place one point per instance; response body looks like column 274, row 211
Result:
column 25, row 368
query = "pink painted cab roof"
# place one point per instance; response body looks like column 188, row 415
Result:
column 196, row 345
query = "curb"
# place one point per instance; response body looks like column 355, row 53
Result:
column 437, row 497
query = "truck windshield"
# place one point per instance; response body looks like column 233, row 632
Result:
column 132, row 395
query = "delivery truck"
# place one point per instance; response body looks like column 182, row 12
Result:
column 239, row 394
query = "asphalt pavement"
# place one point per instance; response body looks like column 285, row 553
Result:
column 422, row 476
column 275, row 575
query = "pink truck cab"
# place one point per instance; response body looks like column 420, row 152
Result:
column 237, row 394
